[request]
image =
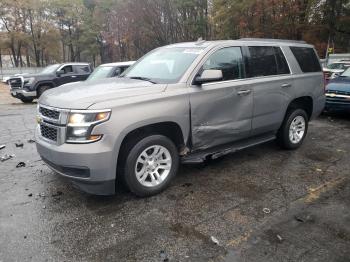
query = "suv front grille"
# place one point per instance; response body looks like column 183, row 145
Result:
column 15, row 82
column 49, row 132
column 338, row 92
column 49, row 113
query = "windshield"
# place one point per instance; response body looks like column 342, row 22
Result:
column 346, row 73
column 50, row 69
column 101, row 72
column 164, row 65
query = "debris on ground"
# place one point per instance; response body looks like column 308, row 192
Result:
column 214, row 240
column 6, row 157
column 44, row 207
column 266, row 210
column 338, row 150
column 30, row 141
column 2, row 147
column 19, row 144
column 279, row 238
column 30, row 195
column 21, row 164
column 58, row 193
column 163, row 256
column 318, row 169
column 304, row 218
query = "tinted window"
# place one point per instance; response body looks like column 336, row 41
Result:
column 307, row 59
column 67, row 69
column 229, row 60
column 262, row 61
column 282, row 66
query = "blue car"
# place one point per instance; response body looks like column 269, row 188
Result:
column 338, row 93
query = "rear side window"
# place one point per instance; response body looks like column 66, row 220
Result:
column 306, row 58
column 229, row 60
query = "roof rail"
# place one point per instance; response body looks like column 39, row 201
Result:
column 273, row 40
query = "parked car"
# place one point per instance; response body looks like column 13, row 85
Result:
column 336, row 68
column 30, row 86
column 338, row 93
column 186, row 101
column 109, row 70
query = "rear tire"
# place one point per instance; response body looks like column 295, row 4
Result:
column 150, row 165
column 26, row 100
column 294, row 129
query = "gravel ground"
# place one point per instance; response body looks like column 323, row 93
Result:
column 260, row 204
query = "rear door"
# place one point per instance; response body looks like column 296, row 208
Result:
column 221, row 112
column 272, row 85
column 82, row 72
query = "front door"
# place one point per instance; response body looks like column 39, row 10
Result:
column 221, row 112
column 68, row 76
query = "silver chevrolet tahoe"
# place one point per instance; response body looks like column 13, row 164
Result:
column 185, row 102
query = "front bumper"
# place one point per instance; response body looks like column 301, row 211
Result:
column 21, row 93
column 337, row 102
column 91, row 167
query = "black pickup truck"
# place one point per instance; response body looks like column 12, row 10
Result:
column 30, row 86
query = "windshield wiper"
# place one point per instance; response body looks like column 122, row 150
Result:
column 143, row 78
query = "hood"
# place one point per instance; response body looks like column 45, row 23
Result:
column 339, row 84
column 81, row 95
column 37, row 75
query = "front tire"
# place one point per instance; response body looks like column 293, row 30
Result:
column 150, row 165
column 26, row 100
column 42, row 89
column 294, row 129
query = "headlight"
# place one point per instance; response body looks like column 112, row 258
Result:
column 81, row 124
column 29, row 80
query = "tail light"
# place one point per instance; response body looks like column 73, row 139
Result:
column 325, row 81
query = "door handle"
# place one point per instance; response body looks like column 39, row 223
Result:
column 73, row 76
column 244, row 92
column 286, row 85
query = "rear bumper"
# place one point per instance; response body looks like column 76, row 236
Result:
column 319, row 106
column 90, row 167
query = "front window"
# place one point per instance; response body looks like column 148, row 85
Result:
column 335, row 66
column 164, row 65
column 229, row 60
column 100, row 73
column 50, row 69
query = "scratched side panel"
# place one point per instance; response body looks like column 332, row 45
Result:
column 218, row 114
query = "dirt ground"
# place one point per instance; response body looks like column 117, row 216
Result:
column 260, row 204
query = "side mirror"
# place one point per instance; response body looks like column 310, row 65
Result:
column 60, row 72
column 209, row 75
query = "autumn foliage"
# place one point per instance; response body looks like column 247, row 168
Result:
column 40, row 32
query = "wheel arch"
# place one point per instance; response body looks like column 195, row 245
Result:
column 170, row 129
column 304, row 102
